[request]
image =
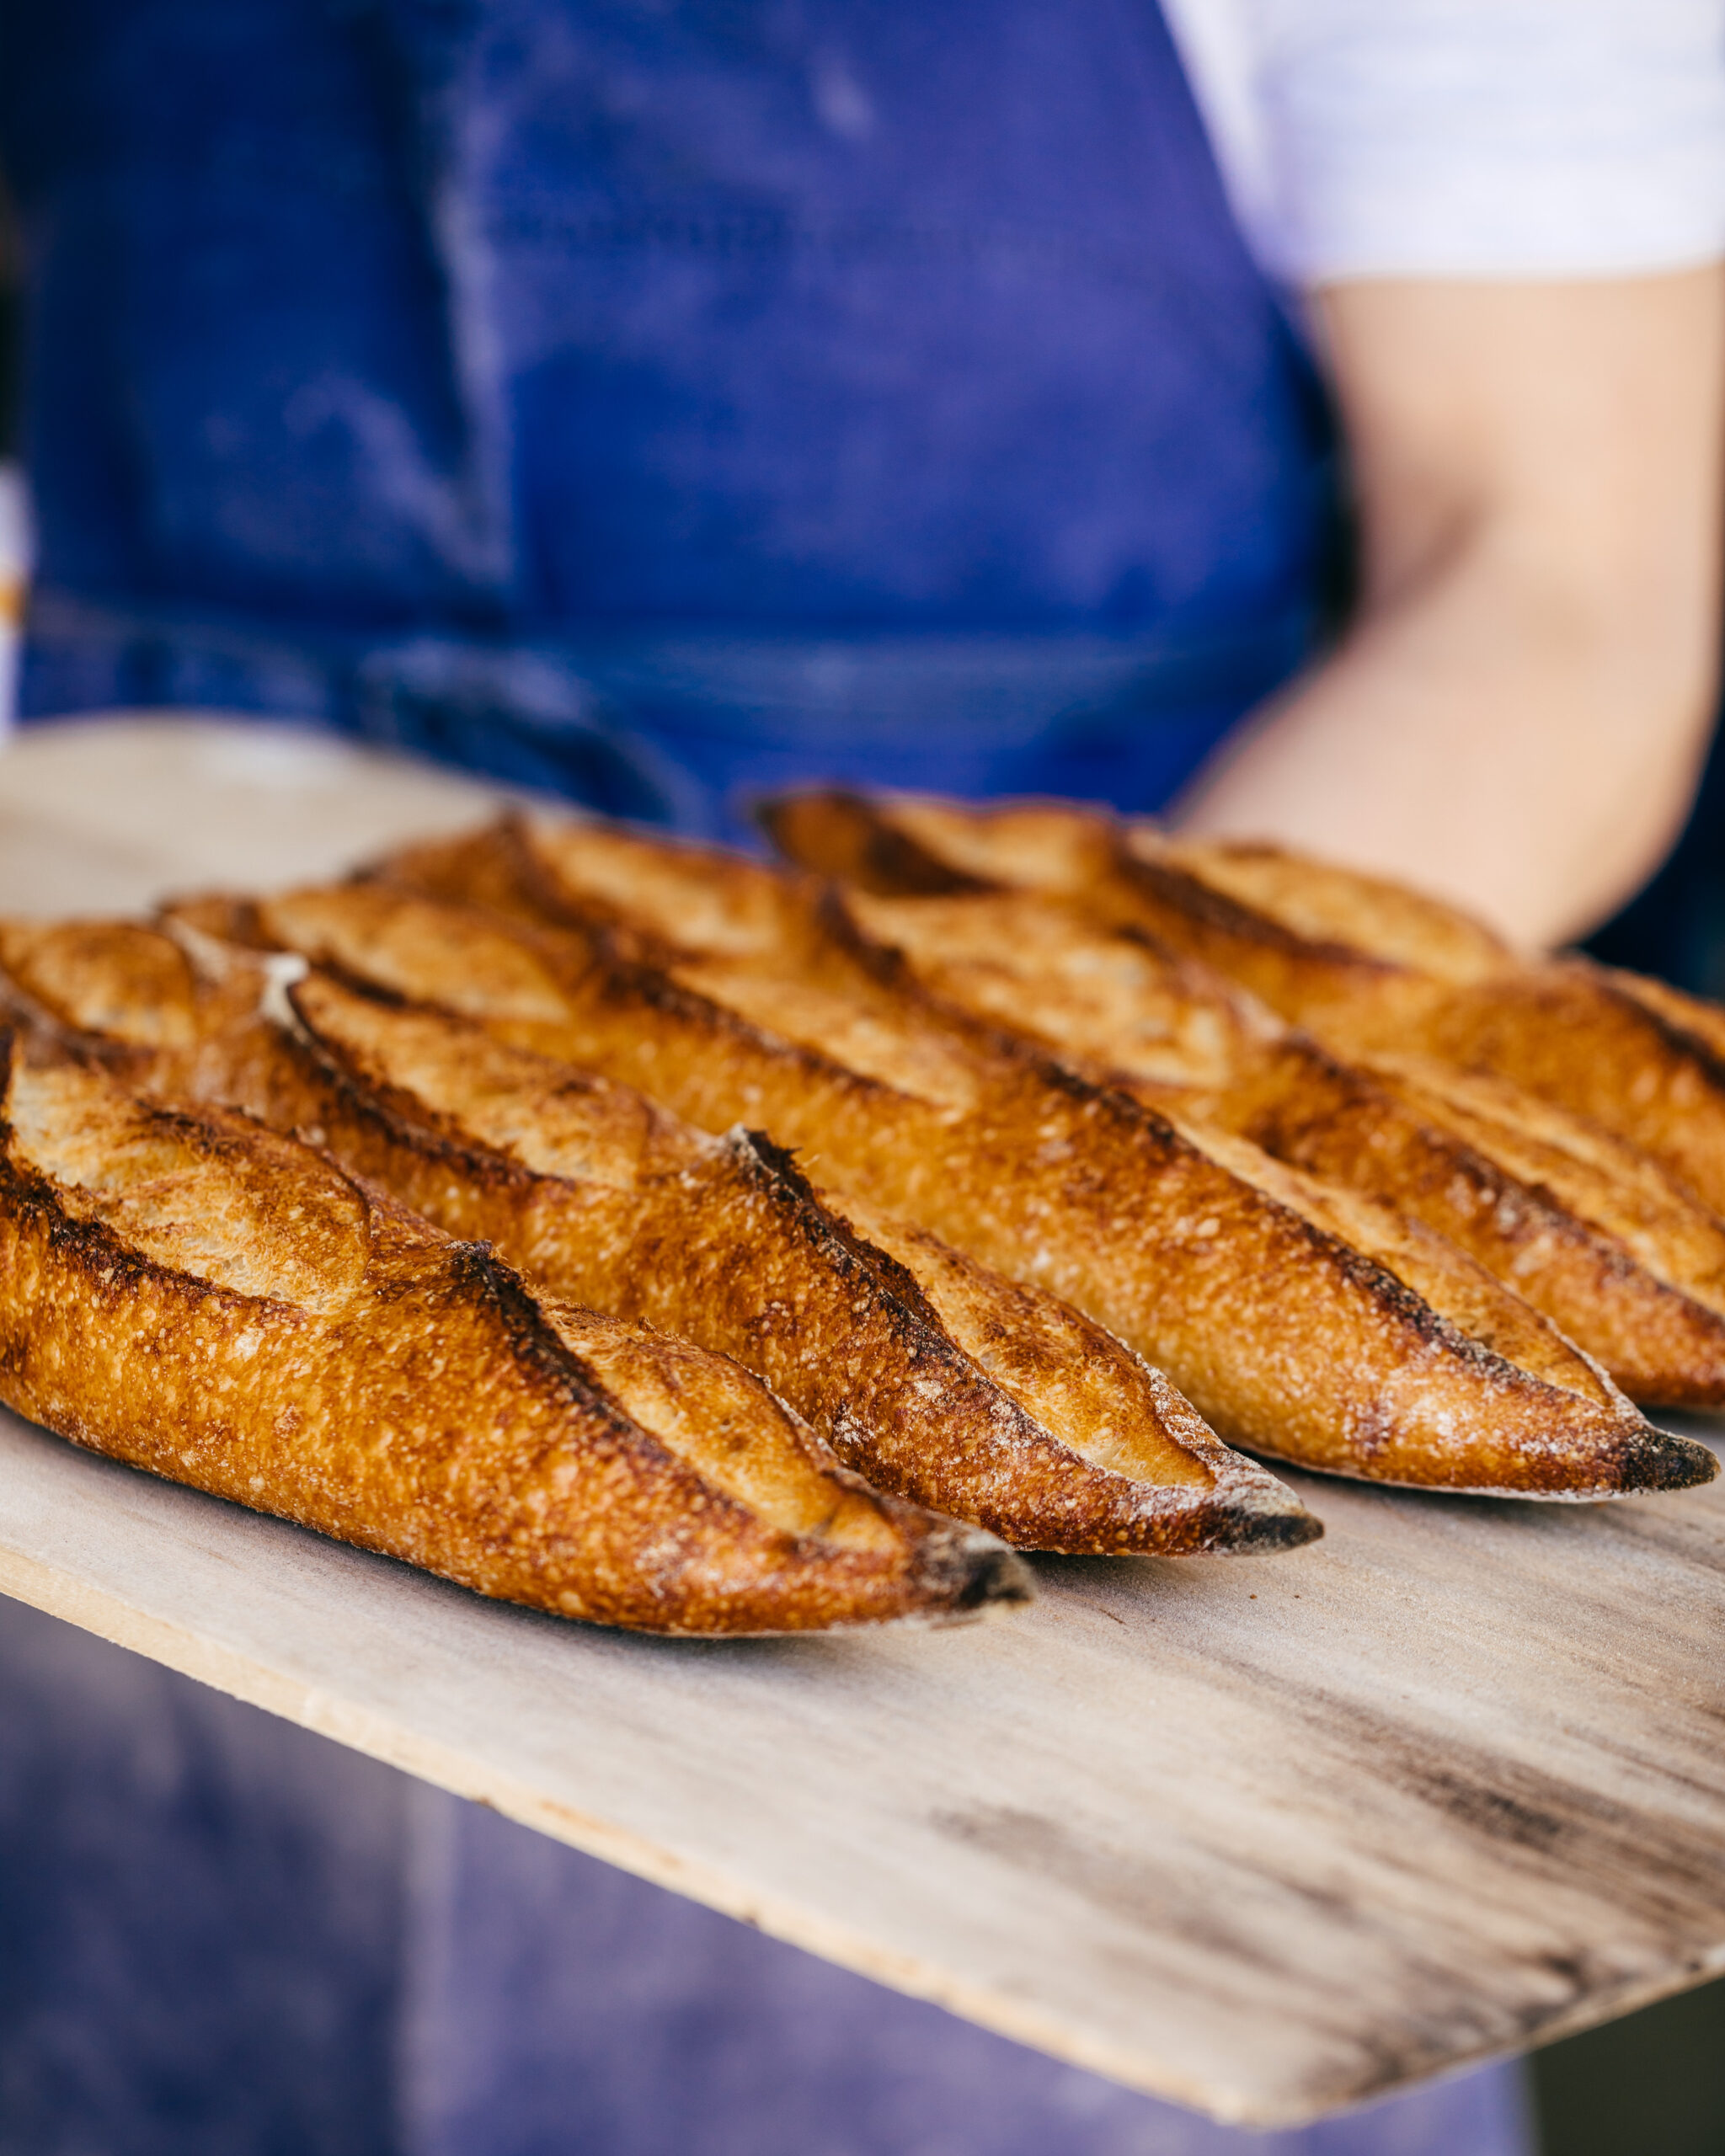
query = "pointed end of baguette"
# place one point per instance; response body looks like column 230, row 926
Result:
column 1660, row 1459
column 1263, row 1528
column 1247, row 1512
column 967, row 1572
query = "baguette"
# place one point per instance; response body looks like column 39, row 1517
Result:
column 224, row 1306
column 933, row 1377
column 1298, row 1321
column 1311, row 941
column 927, row 1374
column 1378, row 970
column 1595, row 1234
column 1374, row 968
column 1598, row 1234
column 1257, row 910
column 121, row 980
column 1602, row 1046
column 916, row 845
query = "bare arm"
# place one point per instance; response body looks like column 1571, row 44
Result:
column 1517, row 716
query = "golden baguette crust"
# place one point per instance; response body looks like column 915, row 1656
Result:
column 1609, row 1242
column 118, row 977
column 1316, row 981
column 224, row 1306
column 603, row 1197
column 1116, row 1005
column 1593, row 1233
column 654, row 896
column 1321, row 904
column 1377, row 970
column 150, row 1005
column 917, row 845
column 1290, row 930
column 1209, row 1260
column 1644, row 1062
column 1622, row 1256
column 1635, row 1281
column 1574, row 1034
column 1686, row 1014
column 884, row 1340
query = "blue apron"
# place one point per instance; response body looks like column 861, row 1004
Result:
column 656, row 402
column 659, row 401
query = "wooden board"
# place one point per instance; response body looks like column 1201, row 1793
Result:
column 1267, row 1836
column 113, row 814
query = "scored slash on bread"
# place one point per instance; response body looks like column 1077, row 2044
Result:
column 1617, row 1052
column 1049, row 931
column 225, row 1307
column 1597, row 1235
column 1229, row 1271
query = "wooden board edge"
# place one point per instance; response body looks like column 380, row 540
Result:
column 94, row 1609
column 91, row 1609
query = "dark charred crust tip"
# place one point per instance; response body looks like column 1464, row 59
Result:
column 1263, row 1533
column 1660, row 1459
column 1644, row 1465
column 767, row 1161
column 971, row 1571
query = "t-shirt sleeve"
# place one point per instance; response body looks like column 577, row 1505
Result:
column 1514, row 138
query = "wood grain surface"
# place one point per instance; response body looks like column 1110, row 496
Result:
column 1268, row 1836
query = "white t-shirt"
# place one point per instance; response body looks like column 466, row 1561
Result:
column 1513, row 138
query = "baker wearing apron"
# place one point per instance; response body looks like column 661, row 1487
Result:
column 659, row 404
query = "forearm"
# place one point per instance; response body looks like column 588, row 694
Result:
column 1517, row 715
column 1494, row 746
